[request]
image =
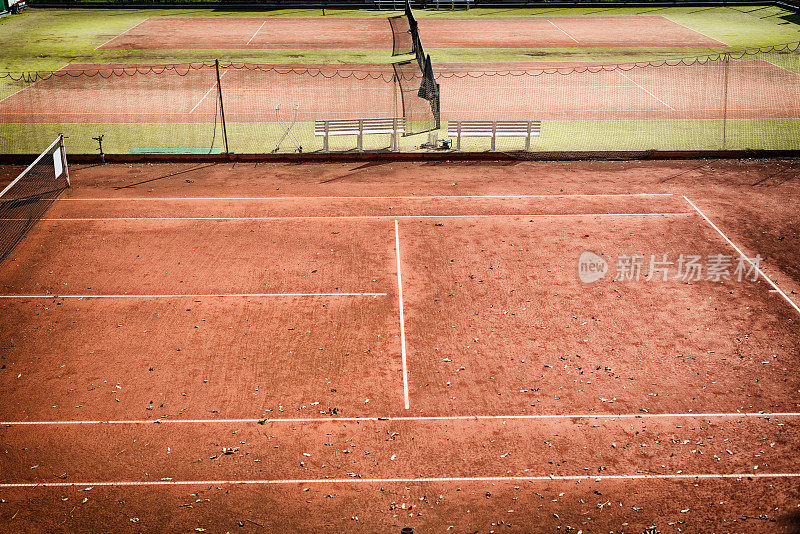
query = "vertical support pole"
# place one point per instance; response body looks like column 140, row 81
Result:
column 63, row 150
column 327, row 129
column 494, row 133
column 222, row 109
column 360, row 135
column 725, row 104
column 458, row 136
column 395, row 140
column 528, row 139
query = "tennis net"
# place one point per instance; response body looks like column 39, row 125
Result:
column 25, row 200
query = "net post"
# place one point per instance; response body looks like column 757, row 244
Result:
column 222, row 108
column 63, row 151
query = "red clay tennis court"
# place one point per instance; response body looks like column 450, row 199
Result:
column 185, row 95
column 464, row 32
column 255, row 345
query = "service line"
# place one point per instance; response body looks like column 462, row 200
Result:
column 348, row 217
column 401, row 480
column 402, row 317
column 419, row 418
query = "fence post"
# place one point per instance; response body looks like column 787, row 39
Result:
column 222, row 109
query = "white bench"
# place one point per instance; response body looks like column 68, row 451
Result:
column 494, row 129
column 392, row 126
column 454, row 3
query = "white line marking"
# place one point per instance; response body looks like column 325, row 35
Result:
column 402, row 318
column 336, row 217
column 420, row 418
column 781, row 68
column 399, row 480
column 258, row 30
column 123, row 33
column 643, row 89
column 208, row 92
column 743, row 255
column 179, row 295
column 405, row 197
column 26, row 87
column 693, row 30
column 562, row 31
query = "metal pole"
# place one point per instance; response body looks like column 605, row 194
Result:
column 222, row 108
column 63, row 155
column 725, row 104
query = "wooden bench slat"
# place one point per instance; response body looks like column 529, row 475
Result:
column 494, row 129
column 360, row 127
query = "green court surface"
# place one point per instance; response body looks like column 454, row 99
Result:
column 48, row 40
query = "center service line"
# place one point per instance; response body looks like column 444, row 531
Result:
column 402, row 319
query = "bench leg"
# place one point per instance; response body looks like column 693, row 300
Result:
column 360, row 136
column 325, row 143
column 528, row 139
column 494, row 135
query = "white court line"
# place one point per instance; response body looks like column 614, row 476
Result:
column 781, row 68
column 208, row 92
column 180, row 295
column 404, row 197
column 402, row 318
column 258, row 30
column 346, row 217
column 415, row 418
column 399, row 480
column 562, row 31
column 693, row 30
column 123, row 33
column 643, row 89
column 20, row 90
column 743, row 255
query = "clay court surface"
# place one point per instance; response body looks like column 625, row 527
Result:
column 464, row 32
column 472, row 91
column 362, row 347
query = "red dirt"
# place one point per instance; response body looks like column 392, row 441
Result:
column 357, row 91
column 462, row 32
column 484, row 293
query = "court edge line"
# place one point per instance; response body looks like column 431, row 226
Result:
column 323, row 217
column 410, row 480
column 643, row 89
column 743, row 255
column 695, row 31
column 123, row 33
column 781, row 68
column 562, row 31
column 411, row 197
column 254, row 35
column 26, row 87
column 207, row 93
column 402, row 317
column 181, row 295
column 417, row 418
